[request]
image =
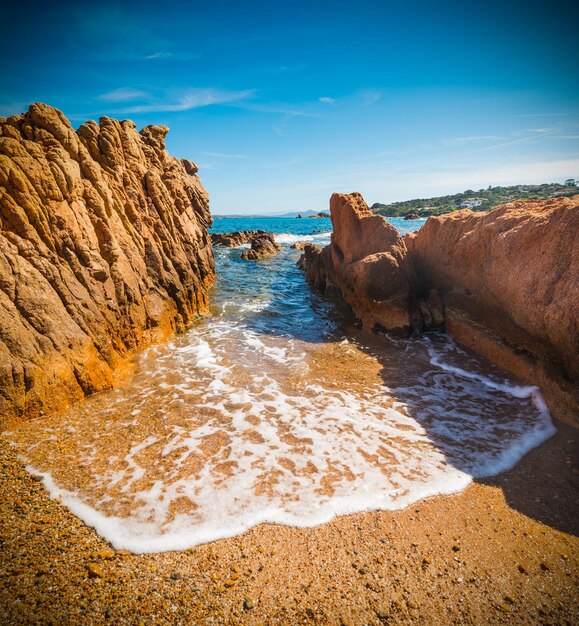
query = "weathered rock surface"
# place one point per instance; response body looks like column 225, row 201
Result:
column 509, row 281
column 235, row 239
column 366, row 261
column 262, row 245
column 505, row 283
column 103, row 249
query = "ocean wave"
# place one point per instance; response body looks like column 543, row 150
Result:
column 289, row 238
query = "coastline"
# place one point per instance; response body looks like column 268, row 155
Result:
column 505, row 550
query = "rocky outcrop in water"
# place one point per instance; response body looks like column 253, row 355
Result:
column 366, row 262
column 262, row 246
column 235, row 239
column 504, row 283
column 103, row 250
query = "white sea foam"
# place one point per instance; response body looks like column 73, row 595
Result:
column 214, row 436
column 289, row 238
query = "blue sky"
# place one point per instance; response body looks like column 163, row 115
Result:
column 283, row 103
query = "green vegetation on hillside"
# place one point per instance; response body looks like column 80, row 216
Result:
column 481, row 200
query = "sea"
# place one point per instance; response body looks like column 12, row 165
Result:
column 277, row 409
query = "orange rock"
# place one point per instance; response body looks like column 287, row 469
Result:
column 509, row 282
column 366, row 261
column 505, row 283
column 103, row 249
column 262, row 245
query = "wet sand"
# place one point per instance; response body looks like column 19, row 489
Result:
column 505, row 551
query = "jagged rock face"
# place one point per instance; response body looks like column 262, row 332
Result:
column 503, row 283
column 366, row 261
column 262, row 245
column 103, row 249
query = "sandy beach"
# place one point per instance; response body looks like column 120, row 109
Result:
column 505, row 551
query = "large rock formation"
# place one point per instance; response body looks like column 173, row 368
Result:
column 509, row 281
column 504, row 283
column 366, row 261
column 103, row 249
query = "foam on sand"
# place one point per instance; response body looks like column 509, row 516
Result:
column 223, row 429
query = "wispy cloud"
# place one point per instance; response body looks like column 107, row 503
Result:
column 327, row 100
column 222, row 155
column 471, row 139
column 123, row 94
column 188, row 99
column 540, row 114
column 159, row 55
column 282, row 109
column 369, row 96
column 165, row 55
column 291, row 68
column 510, row 142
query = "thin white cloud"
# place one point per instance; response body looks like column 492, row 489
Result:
column 190, row 99
column 370, row 96
column 123, row 94
column 541, row 114
column 290, row 68
column 327, row 100
column 281, row 109
column 472, row 139
column 503, row 174
column 164, row 55
column 222, row 155
column 160, row 55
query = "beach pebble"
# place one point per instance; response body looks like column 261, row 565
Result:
column 249, row 603
column 94, row 570
column 103, row 554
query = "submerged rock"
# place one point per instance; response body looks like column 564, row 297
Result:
column 503, row 283
column 103, row 249
column 262, row 245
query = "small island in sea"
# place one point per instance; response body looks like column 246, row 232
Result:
column 213, row 411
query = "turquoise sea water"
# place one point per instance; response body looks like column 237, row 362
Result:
column 276, row 409
column 295, row 226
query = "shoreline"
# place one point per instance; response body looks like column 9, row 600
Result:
column 505, row 550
